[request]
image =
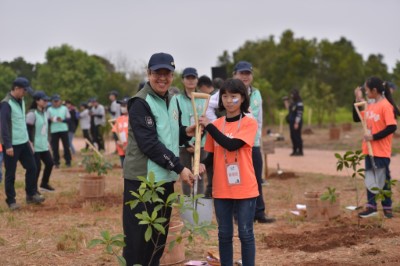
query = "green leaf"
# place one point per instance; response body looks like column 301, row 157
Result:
column 109, row 249
column 148, row 234
column 105, row 235
column 95, row 242
column 159, row 228
column 121, row 261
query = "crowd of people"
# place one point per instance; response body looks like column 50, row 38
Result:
column 154, row 133
column 25, row 135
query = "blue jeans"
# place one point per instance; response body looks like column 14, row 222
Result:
column 245, row 211
column 258, row 165
column 381, row 162
column 71, row 138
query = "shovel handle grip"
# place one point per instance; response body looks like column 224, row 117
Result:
column 364, row 124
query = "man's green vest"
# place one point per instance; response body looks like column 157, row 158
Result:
column 19, row 131
column 60, row 111
column 187, row 114
column 167, row 125
column 256, row 107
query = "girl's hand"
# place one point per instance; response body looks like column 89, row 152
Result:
column 202, row 168
column 203, row 120
column 368, row 137
column 358, row 94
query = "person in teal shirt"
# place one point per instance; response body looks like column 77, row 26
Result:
column 37, row 122
column 15, row 141
column 59, row 115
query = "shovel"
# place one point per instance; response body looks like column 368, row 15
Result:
column 375, row 177
column 197, row 143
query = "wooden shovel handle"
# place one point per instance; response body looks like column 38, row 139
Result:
column 364, row 124
column 197, row 143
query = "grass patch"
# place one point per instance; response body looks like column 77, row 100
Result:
column 72, row 240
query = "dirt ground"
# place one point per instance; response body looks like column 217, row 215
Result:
column 57, row 232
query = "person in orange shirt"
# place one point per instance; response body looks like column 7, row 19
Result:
column 380, row 117
column 229, row 142
column 120, row 129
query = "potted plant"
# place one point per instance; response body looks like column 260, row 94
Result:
column 174, row 251
column 92, row 184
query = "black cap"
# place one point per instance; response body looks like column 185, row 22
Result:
column 23, row 83
column 113, row 92
column 56, row 97
column 124, row 100
column 40, row 95
column 161, row 60
column 242, row 66
column 189, row 71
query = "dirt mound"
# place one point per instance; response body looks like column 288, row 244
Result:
column 326, row 238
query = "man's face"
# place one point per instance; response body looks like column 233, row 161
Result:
column 19, row 92
column 111, row 97
column 206, row 89
column 160, row 80
column 245, row 76
column 190, row 82
column 56, row 103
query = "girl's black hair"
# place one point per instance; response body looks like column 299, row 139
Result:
column 296, row 95
column 383, row 88
column 234, row 86
column 33, row 105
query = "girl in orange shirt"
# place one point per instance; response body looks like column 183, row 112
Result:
column 120, row 130
column 380, row 118
column 229, row 143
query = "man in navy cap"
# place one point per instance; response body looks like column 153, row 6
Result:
column 115, row 107
column 243, row 70
column 15, row 141
column 153, row 147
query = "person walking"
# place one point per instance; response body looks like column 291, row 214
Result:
column 243, row 71
column 15, row 141
column 380, row 118
column 59, row 116
column 98, row 115
column 72, row 124
column 153, row 146
column 294, row 104
column 84, row 122
column 120, row 129
column 37, row 123
column 186, row 115
column 229, row 142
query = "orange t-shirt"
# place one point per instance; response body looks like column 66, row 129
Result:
column 121, row 129
column 248, row 183
column 378, row 116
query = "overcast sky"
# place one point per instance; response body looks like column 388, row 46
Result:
column 194, row 32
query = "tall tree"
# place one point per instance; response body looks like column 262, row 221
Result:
column 73, row 74
column 374, row 66
column 22, row 68
column 7, row 75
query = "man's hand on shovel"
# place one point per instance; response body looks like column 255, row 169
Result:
column 187, row 176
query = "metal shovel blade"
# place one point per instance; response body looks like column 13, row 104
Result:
column 375, row 178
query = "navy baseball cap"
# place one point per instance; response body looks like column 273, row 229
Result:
column 40, row 95
column 55, row 97
column 124, row 100
column 161, row 60
column 392, row 85
column 189, row 71
column 242, row 66
column 22, row 82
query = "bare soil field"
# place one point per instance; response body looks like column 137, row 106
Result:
column 58, row 231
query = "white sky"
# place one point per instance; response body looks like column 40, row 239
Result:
column 194, row 32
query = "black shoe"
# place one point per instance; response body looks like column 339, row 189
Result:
column 35, row 199
column 369, row 212
column 264, row 220
column 47, row 188
column 388, row 213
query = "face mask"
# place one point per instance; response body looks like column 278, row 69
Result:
column 124, row 110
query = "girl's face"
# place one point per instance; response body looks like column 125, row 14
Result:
column 41, row 103
column 232, row 103
column 370, row 93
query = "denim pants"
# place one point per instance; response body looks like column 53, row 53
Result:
column 245, row 214
column 1, row 166
column 55, row 139
column 185, row 158
column 137, row 250
column 380, row 162
column 24, row 154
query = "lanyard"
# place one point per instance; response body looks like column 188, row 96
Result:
column 223, row 131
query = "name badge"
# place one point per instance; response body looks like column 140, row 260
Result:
column 233, row 173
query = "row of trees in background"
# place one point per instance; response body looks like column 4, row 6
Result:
column 72, row 73
column 325, row 72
